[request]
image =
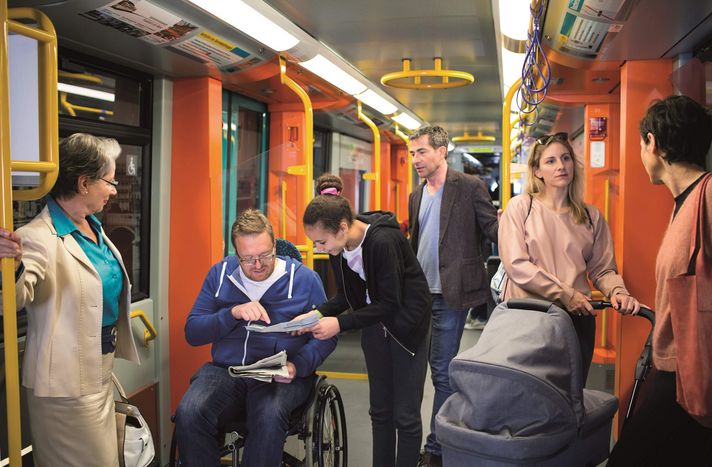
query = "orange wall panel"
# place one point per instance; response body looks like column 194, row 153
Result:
column 399, row 175
column 643, row 215
column 386, row 182
column 286, row 149
column 196, row 214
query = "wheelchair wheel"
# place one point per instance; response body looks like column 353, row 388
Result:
column 329, row 444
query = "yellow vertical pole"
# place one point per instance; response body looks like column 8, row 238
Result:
column 283, row 228
column 374, row 176
column 506, row 161
column 307, row 169
column 12, row 379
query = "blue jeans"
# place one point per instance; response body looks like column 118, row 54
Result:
column 444, row 344
column 214, row 397
column 395, row 380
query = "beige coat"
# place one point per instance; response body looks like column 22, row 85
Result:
column 62, row 293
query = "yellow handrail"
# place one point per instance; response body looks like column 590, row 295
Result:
column 48, row 139
column 283, row 227
column 506, row 161
column 374, row 176
column 307, row 170
column 150, row 332
column 48, row 112
column 405, row 138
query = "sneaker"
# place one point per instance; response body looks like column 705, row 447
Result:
column 474, row 324
column 428, row 459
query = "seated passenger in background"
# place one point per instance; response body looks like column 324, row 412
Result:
column 254, row 285
column 551, row 242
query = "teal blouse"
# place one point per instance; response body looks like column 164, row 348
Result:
column 100, row 256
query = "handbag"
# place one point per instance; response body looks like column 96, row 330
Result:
column 133, row 435
column 691, row 315
column 497, row 283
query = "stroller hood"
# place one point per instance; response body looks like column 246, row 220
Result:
column 522, row 379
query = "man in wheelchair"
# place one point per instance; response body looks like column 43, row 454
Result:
column 255, row 285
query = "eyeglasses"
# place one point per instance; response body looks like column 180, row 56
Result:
column 546, row 139
column 113, row 183
column 266, row 258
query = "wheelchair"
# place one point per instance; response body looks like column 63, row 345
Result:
column 319, row 423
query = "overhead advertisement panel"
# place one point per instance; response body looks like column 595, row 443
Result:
column 584, row 28
column 155, row 25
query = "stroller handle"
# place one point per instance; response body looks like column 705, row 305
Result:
column 644, row 312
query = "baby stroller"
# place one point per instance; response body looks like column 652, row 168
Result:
column 519, row 398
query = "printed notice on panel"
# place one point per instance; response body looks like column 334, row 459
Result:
column 207, row 47
column 153, row 24
column 581, row 36
column 143, row 20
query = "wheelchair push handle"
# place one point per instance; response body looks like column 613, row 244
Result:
column 644, row 312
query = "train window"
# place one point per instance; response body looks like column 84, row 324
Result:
column 87, row 93
column 245, row 159
column 126, row 218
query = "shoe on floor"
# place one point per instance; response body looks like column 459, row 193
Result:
column 474, row 324
column 428, row 459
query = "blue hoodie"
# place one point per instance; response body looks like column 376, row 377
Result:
column 297, row 291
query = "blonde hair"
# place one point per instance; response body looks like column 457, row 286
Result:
column 575, row 190
column 251, row 222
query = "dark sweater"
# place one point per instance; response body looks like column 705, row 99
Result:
column 400, row 298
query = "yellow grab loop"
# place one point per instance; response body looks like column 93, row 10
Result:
column 374, row 176
column 307, row 169
column 47, row 167
column 150, row 332
column 461, row 78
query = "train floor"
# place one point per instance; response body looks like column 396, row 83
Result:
column 348, row 362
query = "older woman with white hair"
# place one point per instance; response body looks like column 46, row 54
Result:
column 551, row 243
column 71, row 280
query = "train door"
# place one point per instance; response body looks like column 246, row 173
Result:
column 245, row 159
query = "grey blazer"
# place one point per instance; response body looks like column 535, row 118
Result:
column 466, row 214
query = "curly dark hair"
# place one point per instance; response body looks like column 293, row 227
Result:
column 327, row 180
column 328, row 210
column 682, row 129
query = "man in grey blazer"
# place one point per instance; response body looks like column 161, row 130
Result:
column 449, row 213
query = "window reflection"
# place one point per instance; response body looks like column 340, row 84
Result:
column 98, row 96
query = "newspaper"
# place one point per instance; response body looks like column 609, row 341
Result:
column 263, row 370
column 287, row 326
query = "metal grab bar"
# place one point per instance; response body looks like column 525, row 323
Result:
column 48, row 168
column 374, row 176
column 150, row 332
column 306, row 170
column 506, row 160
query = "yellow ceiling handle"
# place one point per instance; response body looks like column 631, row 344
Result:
column 478, row 138
column 461, row 78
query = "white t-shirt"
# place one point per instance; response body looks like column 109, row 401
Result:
column 256, row 289
column 354, row 260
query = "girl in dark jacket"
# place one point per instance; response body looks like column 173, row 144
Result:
column 378, row 277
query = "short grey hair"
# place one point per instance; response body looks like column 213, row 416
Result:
column 86, row 155
column 437, row 135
